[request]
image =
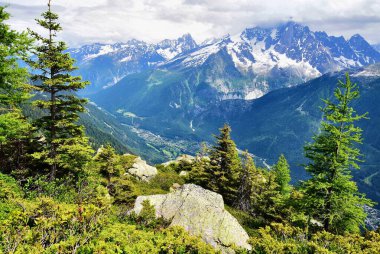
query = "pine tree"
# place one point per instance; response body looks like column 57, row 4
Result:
column 14, row 90
column 331, row 196
column 225, row 166
column 52, row 77
column 244, row 193
column 282, row 175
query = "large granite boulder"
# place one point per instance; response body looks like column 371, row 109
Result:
column 141, row 170
column 201, row 212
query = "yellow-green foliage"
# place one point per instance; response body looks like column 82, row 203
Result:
column 90, row 215
column 124, row 238
column 9, row 193
column 280, row 238
column 123, row 187
column 248, row 222
column 44, row 225
column 161, row 183
column 148, row 214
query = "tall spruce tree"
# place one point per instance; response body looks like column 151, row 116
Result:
column 331, row 196
column 224, row 166
column 52, row 77
column 282, row 175
column 14, row 90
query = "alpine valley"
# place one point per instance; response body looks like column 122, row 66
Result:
column 161, row 100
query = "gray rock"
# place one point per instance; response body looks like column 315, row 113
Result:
column 183, row 173
column 174, row 187
column 373, row 218
column 142, row 170
column 182, row 158
column 201, row 212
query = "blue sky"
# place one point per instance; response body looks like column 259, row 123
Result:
column 108, row 21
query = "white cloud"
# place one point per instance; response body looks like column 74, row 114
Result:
column 86, row 21
column 74, row 3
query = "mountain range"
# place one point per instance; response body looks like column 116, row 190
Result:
column 246, row 65
column 106, row 64
column 161, row 100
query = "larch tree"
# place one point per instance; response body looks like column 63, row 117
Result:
column 282, row 175
column 331, row 196
column 66, row 147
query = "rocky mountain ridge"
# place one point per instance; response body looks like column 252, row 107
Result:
column 260, row 59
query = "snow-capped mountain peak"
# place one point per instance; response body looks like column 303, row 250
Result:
column 168, row 49
column 285, row 55
column 266, row 58
column 288, row 44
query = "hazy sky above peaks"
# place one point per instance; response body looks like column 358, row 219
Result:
column 109, row 21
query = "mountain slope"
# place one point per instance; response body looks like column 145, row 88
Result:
column 284, row 120
column 165, row 103
column 376, row 47
column 103, row 127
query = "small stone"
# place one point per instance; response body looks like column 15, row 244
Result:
column 183, row 173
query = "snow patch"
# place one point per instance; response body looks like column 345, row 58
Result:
column 254, row 94
column 300, row 109
column 174, row 105
column 368, row 72
column 167, row 53
column 104, row 50
column 345, row 62
column 115, row 80
column 198, row 57
column 273, row 34
column 231, row 96
column 126, row 59
column 191, row 126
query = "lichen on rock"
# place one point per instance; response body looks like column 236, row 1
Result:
column 141, row 170
column 201, row 212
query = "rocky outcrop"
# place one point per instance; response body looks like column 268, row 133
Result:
column 201, row 212
column 373, row 218
column 141, row 170
column 182, row 158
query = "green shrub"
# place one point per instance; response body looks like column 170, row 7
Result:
column 147, row 216
column 280, row 238
column 124, row 238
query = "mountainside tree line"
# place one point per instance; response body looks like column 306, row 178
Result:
column 59, row 196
